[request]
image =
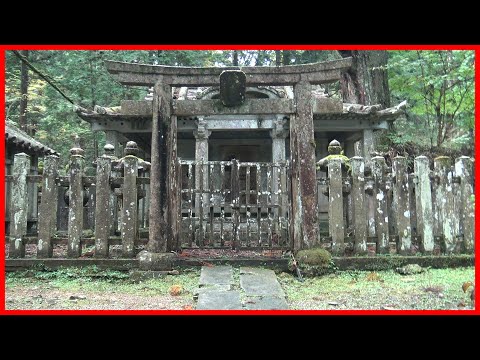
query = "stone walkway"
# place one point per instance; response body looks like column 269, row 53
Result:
column 257, row 289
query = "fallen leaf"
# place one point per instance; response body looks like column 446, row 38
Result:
column 176, row 290
column 461, row 304
column 466, row 285
column 333, row 303
column 77, row 297
column 187, row 307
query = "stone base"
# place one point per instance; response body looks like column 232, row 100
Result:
column 155, row 261
column 139, row 275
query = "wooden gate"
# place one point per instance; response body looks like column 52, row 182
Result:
column 231, row 204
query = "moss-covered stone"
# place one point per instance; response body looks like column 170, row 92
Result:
column 316, row 256
column 314, row 262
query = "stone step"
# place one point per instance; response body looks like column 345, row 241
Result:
column 259, row 288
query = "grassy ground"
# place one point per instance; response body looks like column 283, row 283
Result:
column 77, row 289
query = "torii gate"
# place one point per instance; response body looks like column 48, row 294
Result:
column 163, row 194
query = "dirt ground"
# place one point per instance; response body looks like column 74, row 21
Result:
column 73, row 289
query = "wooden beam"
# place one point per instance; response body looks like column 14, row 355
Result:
column 148, row 75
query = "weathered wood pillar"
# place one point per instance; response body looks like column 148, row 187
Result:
column 75, row 205
column 157, row 241
column 303, row 169
column 129, row 213
column 201, row 155
column 104, row 204
column 173, row 198
column 278, row 134
column 444, row 202
column 381, row 210
column 464, row 170
column 402, row 201
column 19, row 205
column 47, row 219
column 358, row 202
column 423, row 197
column 368, row 145
column 335, row 206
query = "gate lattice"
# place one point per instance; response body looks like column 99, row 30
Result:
column 231, row 204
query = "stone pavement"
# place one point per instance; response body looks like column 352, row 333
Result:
column 256, row 289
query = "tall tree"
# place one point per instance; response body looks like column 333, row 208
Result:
column 366, row 82
column 22, row 120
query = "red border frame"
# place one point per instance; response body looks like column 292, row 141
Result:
column 4, row 48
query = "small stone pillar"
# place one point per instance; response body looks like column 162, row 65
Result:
column 444, row 203
column 381, row 210
column 464, row 171
column 358, row 205
column 19, row 205
column 201, row 171
column 423, row 196
column 368, row 145
column 336, row 221
column 47, row 219
column 75, row 205
column 104, row 214
column 402, row 201
column 129, row 213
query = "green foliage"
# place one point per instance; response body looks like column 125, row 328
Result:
column 439, row 88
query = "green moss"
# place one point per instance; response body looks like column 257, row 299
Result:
column 345, row 161
column 316, row 256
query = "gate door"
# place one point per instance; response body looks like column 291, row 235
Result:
column 231, row 204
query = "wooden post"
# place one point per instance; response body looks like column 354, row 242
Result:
column 19, row 205
column 335, row 206
column 103, row 206
column 464, row 170
column 402, row 202
column 423, row 195
column 381, row 211
column 302, row 129
column 75, row 206
column 358, row 202
column 129, row 214
column 47, row 219
column 444, row 202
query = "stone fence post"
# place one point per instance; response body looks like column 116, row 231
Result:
column 402, row 202
column 75, row 206
column 444, row 203
column 358, row 204
column 19, row 205
column 381, row 210
column 104, row 205
column 464, row 170
column 335, row 206
column 423, row 196
column 47, row 219
column 129, row 210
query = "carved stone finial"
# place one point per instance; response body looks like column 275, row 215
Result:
column 109, row 150
column 131, row 148
column 77, row 150
column 334, row 148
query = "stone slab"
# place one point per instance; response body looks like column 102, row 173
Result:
column 219, row 300
column 260, row 282
column 216, row 275
column 266, row 303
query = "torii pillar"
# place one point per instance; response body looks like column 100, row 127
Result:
column 157, row 237
column 304, row 183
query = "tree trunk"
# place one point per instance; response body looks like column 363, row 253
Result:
column 235, row 57
column 22, row 120
column 278, row 58
column 366, row 82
